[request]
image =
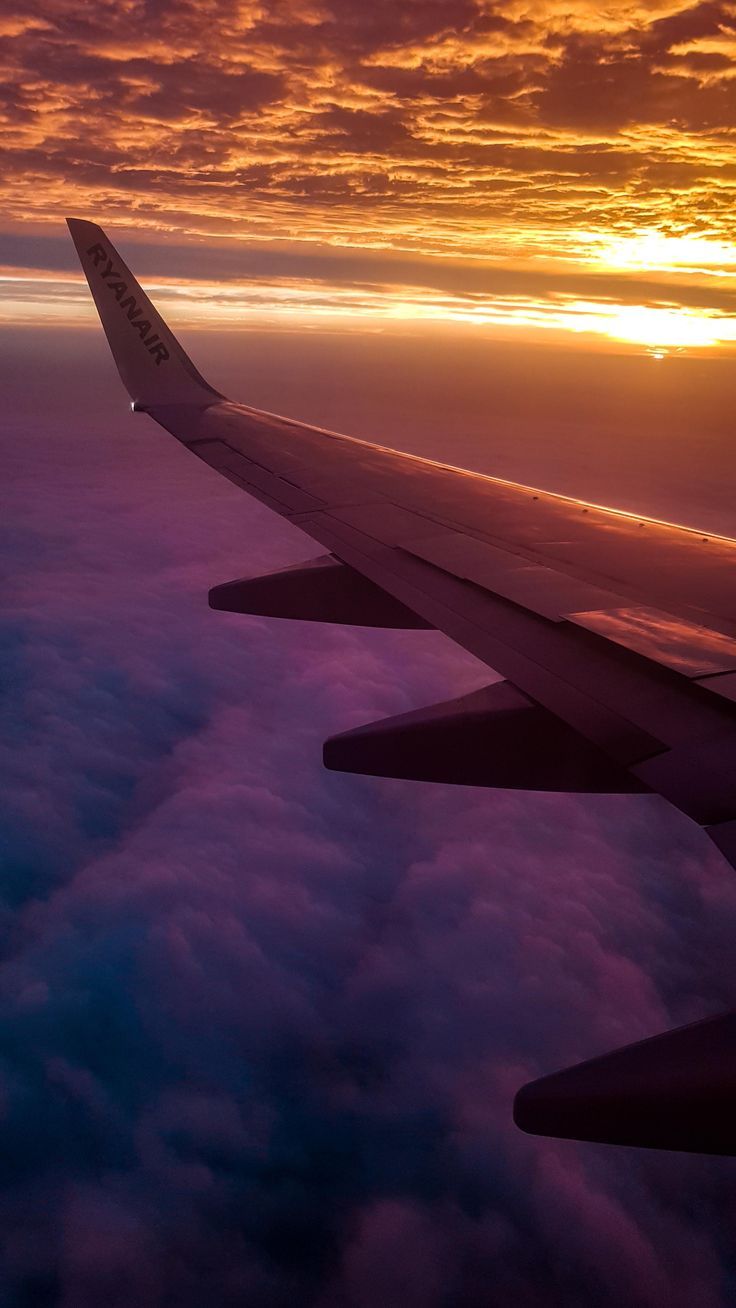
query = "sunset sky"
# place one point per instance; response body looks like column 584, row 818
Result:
column 527, row 166
column 261, row 1025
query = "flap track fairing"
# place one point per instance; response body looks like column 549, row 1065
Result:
column 673, row 1091
column 324, row 590
column 496, row 737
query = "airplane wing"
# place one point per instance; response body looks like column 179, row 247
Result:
column 615, row 634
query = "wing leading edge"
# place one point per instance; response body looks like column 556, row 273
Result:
column 616, row 634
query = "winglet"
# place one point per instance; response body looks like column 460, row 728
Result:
column 151, row 362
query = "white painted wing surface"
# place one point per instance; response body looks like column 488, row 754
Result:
column 623, row 627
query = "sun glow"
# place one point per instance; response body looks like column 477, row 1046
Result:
column 654, row 250
column 313, row 303
column 546, row 167
column 654, row 326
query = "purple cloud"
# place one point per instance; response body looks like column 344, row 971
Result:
column 261, row 1024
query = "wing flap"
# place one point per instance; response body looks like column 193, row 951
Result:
column 543, row 590
column 245, row 472
column 685, row 647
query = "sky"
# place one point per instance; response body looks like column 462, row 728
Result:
column 261, row 1025
column 534, row 167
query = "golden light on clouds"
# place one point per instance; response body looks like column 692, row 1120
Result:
column 643, row 324
column 653, row 250
column 527, row 165
column 28, row 299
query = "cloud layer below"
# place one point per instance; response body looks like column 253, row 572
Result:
column 262, row 1025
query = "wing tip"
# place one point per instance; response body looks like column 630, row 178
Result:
column 77, row 224
column 140, row 340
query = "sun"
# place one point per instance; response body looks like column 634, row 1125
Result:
column 654, row 250
column 658, row 327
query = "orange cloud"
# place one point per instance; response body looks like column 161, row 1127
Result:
column 533, row 135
